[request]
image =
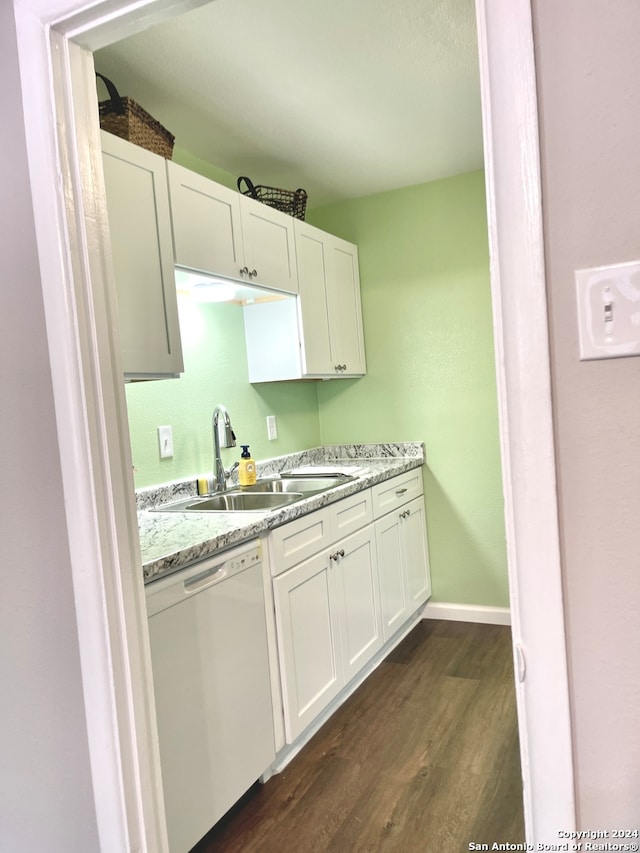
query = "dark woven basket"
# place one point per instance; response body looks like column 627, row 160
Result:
column 293, row 202
column 124, row 117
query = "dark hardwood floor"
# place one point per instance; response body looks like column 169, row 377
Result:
column 423, row 757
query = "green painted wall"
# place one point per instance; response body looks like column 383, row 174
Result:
column 220, row 176
column 215, row 372
column 426, row 302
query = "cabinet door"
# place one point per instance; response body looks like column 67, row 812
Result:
column 309, row 641
column 269, row 246
column 207, row 233
column 345, row 311
column 356, row 572
column 312, row 252
column 390, row 570
column 415, row 553
column 140, row 226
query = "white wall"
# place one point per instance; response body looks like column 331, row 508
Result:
column 46, row 800
column 589, row 102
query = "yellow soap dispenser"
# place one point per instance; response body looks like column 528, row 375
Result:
column 247, row 469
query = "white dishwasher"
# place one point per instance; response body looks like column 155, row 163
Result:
column 208, row 635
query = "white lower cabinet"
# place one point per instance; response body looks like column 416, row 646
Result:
column 403, row 563
column 356, row 574
column 347, row 578
column 308, row 641
column 329, row 626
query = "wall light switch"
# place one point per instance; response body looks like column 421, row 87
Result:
column 272, row 429
column 609, row 311
column 165, row 441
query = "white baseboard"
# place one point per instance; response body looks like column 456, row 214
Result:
column 467, row 613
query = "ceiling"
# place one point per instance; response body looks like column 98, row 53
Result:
column 342, row 98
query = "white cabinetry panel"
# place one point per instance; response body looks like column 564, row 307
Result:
column 345, row 311
column 330, row 309
column 269, row 246
column 218, row 231
column 403, row 562
column 207, row 233
column 392, row 588
column 416, row 553
column 140, row 227
column 299, row 539
column 309, row 642
column 356, row 571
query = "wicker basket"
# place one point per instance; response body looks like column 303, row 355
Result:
column 124, row 117
column 293, row 202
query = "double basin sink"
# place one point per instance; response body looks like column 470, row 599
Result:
column 267, row 494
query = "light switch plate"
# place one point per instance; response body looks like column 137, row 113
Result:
column 165, row 442
column 609, row 311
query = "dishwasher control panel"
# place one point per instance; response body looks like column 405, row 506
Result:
column 241, row 561
column 167, row 591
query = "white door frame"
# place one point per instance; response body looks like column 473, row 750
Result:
column 55, row 40
column 518, row 290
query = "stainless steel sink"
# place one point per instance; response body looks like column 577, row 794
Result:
column 306, row 485
column 267, row 494
column 233, row 502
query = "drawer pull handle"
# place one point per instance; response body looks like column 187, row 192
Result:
column 400, row 492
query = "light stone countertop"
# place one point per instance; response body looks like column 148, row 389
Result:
column 173, row 540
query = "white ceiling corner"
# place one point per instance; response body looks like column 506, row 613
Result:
column 343, row 98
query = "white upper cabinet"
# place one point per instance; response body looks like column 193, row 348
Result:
column 269, row 246
column 330, row 310
column 323, row 338
column 219, row 231
column 345, row 311
column 207, row 234
column 140, row 227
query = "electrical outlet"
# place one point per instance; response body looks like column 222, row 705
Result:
column 272, row 429
column 165, row 442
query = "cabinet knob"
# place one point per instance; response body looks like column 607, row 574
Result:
column 244, row 271
column 343, row 367
column 341, row 552
column 253, row 273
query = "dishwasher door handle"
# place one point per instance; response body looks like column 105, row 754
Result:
column 208, row 578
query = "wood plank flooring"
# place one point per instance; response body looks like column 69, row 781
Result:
column 422, row 757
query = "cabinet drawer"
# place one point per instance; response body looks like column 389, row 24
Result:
column 299, row 539
column 351, row 514
column 397, row 491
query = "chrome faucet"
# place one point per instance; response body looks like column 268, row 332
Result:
column 223, row 436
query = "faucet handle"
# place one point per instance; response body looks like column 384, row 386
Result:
column 230, row 471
